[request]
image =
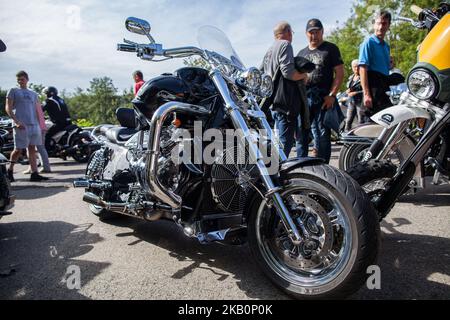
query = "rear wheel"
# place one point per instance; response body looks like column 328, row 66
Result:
column 340, row 235
column 95, row 172
column 102, row 213
column 83, row 152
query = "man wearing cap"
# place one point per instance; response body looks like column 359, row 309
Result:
column 322, row 84
column 280, row 58
column 374, row 64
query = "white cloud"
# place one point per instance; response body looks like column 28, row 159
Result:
column 41, row 37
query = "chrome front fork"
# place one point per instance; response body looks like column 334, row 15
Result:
column 254, row 152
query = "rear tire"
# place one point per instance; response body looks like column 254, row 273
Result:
column 102, row 213
column 82, row 155
column 334, row 192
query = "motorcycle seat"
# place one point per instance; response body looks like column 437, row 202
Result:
column 119, row 135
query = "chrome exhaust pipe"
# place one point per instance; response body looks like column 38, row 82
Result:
column 152, row 183
column 122, row 208
column 91, row 198
column 81, row 183
column 87, row 184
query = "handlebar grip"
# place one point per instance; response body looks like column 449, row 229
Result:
column 416, row 9
column 126, row 47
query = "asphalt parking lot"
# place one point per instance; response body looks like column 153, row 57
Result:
column 52, row 230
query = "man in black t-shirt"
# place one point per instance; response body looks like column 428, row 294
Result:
column 322, row 84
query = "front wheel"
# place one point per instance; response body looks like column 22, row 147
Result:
column 340, row 235
column 351, row 154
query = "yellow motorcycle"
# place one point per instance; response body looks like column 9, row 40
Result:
column 429, row 98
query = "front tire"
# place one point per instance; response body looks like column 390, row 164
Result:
column 352, row 154
column 338, row 213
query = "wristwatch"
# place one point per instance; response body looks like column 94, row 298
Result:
column 332, row 95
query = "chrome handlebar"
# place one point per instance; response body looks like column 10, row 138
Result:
column 149, row 51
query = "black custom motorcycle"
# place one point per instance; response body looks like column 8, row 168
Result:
column 311, row 228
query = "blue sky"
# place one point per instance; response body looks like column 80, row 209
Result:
column 67, row 43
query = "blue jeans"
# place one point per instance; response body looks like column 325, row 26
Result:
column 289, row 131
column 321, row 134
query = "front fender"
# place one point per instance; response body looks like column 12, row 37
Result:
column 294, row 163
column 392, row 116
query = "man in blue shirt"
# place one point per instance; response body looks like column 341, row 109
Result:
column 374, row 64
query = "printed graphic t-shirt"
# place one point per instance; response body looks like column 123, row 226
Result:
column 326, row 57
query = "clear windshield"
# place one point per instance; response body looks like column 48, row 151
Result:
column 213, row 40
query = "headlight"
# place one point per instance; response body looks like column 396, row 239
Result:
column 251, row 79
column 266, row 86
column 422, row 84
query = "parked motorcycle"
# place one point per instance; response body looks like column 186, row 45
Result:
column 6, row 135
column 368, row 140
column 428, row 98
column 310, row 227
column 72, row 141
column 2, row 46
column 6, row 199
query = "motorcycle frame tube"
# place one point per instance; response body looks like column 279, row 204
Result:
column 240, row 123
column 152, row 182
column 378, row 144
column 407, row 170
column 392, row 139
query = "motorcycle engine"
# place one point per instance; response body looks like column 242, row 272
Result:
column 168, row 171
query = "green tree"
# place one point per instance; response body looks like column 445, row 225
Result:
column 98, row 103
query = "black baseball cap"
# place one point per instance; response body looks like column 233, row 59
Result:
column 314, row 24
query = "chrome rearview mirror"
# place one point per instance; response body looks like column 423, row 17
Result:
column 138, row 26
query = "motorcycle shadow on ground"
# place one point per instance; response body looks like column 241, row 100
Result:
column 39, row 260
column 412, row 266
column 431, row 197
column 221, row 261
column 60, row 181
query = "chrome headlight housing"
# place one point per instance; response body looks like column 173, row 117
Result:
column 422, row 84
column 266, row 86
column 251, row 79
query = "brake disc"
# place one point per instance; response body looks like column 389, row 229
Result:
column 310, row 253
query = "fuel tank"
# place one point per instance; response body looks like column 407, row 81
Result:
column 188, row 85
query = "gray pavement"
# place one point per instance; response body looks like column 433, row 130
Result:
column 52, row 229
